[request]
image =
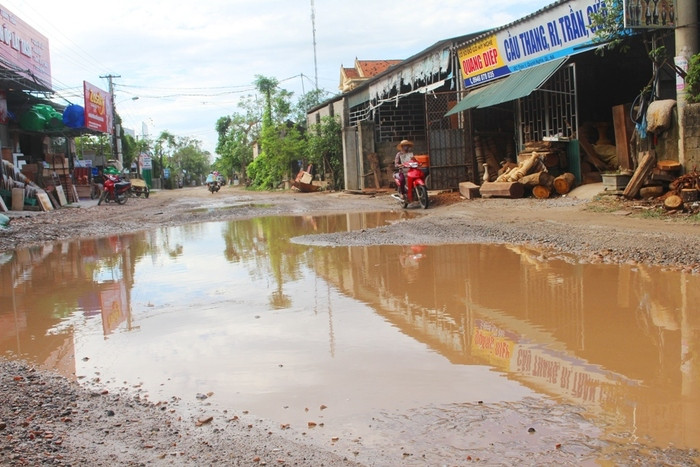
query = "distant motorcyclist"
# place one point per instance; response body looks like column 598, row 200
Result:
column 404, row 156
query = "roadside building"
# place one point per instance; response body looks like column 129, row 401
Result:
column 539, row 83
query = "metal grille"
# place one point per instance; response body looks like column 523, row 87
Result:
column 360, row 113
column 449, row 163
column 551, row 110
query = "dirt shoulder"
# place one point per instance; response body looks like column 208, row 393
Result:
column 602, row 229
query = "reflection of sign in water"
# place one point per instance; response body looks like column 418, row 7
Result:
column 114, row 306
column 493, row 344
column 554, row 371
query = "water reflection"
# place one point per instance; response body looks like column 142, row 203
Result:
column 622, row 341
column 236, row 308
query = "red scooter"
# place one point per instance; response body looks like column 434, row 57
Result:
column 115, row 189
column 415, row 189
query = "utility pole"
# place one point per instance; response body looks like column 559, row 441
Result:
column 686, row 46
column 116, row 128
column 313, row 30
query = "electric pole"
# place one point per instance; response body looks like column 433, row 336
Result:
column 313, row 30
column 116, row 128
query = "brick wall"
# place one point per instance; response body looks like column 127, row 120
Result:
column 407, row 121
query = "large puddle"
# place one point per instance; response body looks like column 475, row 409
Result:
column 446, row 349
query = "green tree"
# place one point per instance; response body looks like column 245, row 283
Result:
column 235, row 142
column 325, row 149
column 189, row 160
column 308, row 101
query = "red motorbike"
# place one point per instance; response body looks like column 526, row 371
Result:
column 115, row 189
column 415, row 189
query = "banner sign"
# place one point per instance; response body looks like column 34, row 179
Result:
column 563, row 30
column 24, row 48
column 145, row 161
column 649, row 14
column 98, row 108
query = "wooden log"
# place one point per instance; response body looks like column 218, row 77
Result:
column 469, row 190
column 669, row 165
column 673, row 202
column 646, row 165
column 649, row 192
column 541, row 191
column 564, row 183
column 523, row 169
column 17, row 199
column 538, row 178
column 502, row 190
column 688, row 195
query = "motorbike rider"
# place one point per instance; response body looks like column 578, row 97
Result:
column 404, row 155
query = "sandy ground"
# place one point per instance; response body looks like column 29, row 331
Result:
column 47, row 420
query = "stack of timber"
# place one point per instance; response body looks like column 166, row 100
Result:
column 683, row 192
column 551, row 153
column 530, row 174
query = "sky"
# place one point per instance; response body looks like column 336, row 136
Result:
column 180, row 66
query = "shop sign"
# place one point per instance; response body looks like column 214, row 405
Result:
column 98, row 108
column 561, row 31
column 649, row 14
column 24, row 48
column 145, row 161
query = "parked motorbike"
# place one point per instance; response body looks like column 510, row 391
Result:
column 213, row 186
column 415, row 182
column 115, row 189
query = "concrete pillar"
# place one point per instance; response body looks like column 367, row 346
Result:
column 686, row 37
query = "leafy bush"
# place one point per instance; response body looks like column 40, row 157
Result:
column 692, row 79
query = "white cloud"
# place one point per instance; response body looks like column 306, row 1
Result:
column 189, row 62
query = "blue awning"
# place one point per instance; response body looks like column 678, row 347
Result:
column 514, row 86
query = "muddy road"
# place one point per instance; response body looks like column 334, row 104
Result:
column 49, row 420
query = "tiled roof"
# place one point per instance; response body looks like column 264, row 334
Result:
column 369, row 68
column 351, row 73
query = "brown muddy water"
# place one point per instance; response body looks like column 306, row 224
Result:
column 421, row 353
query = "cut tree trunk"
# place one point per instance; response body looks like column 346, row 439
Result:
column 673, row 202
column 502, row 190
column 564, row 183
column 541, row 191
column 538, row 178
column 651, row 191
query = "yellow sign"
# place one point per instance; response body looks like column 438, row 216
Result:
column 481, row 61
